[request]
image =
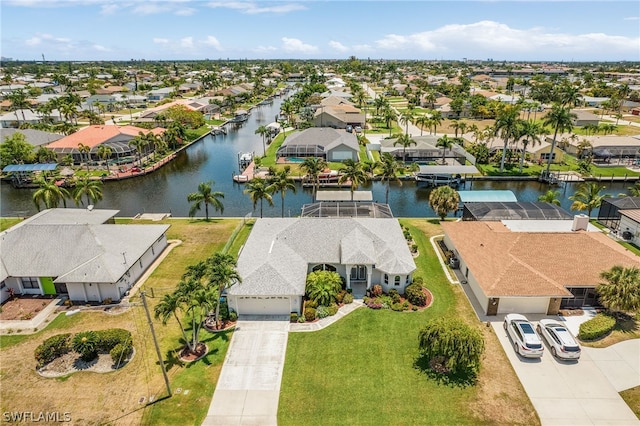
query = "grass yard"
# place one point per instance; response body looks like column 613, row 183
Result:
column 632, row 398
column 623, row 330
column 8, row 222
column 114, row 398
column 361, row 369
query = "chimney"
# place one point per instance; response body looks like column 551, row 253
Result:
column 580, row 222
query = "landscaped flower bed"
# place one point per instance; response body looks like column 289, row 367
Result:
column 416, row 297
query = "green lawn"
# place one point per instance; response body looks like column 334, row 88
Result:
column 8, row 222
column 360, row 370
column 632, row 398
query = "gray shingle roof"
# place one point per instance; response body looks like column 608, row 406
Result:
column 32, row 136
column 325, row 137
column 278, row 252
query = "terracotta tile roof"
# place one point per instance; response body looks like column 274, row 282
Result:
column 509, row 263
column 95, row 135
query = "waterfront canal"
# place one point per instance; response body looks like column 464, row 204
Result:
column 215, row 158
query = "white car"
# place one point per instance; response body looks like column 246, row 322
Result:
column 525, row 340
column 560, row 340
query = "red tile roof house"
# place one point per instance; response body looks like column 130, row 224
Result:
column 512, row 268
column 115, row 137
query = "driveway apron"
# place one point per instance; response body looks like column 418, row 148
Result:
column 248, row 388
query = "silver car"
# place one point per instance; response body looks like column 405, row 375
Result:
column 560, row 340
column 525, row 340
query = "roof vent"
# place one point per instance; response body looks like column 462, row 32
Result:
column 580, row 222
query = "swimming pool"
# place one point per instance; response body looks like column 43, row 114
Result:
column 295, row 160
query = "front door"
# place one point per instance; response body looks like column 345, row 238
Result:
column 358, row 274
column 61, row 288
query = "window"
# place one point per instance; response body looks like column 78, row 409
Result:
column 30, row 282
column 359, row 272
column 396, row 281
column 386, row 279
column 324, row 267
column 406, row 281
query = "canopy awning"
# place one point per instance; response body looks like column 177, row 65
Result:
column 45, row 167
column 450, row 170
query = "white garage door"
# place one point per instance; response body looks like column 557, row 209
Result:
column 523, row 305
column 341, row 155
column 267, row 305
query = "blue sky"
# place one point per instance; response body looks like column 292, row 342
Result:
column 206, row 29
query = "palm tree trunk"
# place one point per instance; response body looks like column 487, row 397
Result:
column 504, row 155
column 524, row 150
column 387, row 193
column 184, row 333
column 282, row 195
column 260, row 208
column 206, row 211
column 553, row 146
column 217, row 314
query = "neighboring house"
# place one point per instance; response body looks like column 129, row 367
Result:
column 15, row 118
column 338, row 116
column 424, row 149
column 629, row 228
column 504, row 265
column 280, row 253
column 538, row 153
column 160, row 94
column 78, row 253
column 115, row 137
column 593, row 101
column 33, row 137
column 325, row 142
column 607, row 146
column 610, row 211
column 584, row 118
column 149, row 115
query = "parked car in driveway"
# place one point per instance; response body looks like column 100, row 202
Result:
column 526, row 341
column 561, row 342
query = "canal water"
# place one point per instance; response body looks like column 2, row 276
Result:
column 215, row 158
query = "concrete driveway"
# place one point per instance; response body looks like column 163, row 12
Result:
column 248, row 389
column 568, row 392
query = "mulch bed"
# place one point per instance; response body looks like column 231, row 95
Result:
column 187, row 356
column 72, row 363
column 23, row 307
column 226, row 325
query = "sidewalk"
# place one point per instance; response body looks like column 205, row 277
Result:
column 325, row 322
column 28, row 326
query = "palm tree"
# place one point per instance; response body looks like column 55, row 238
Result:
column 459, row 125
column 528, row 133
column 138, row 143
column 621, row 291
column 313, row 166
column 560, row 118
column 436, row 120
column 423, row 121
column 104, row 152
column 205, row 195
column 169, row 305
column 443, row 200
column 49, row 194
column 390, row 168
column 91, row 188
column 323, row 286
column 222, row 275
column 506, row 126
column 634, row 190
column 389, row 115
column 445, row 143
column 551, row 197
column 406, row 118
column 282, row 182
column 588, row 197
column 263, row 131
column 259, row 190
column 198, row 302
column 19, row 102
column 84, row 149
column 406, row 141
column 353, row 173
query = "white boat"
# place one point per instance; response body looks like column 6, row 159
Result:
column 244, row 159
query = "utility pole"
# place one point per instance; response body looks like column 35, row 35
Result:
column 155, row 342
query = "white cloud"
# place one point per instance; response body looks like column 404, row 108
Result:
column 265, row 49
column 632, row 18
column 297, row 46
column 338, row 46
column 101, row 48
column 109, row 9
column 496, row 39
column 186, row 42
column 33, row 41
column 252, row 8
column 161, row 40
column 213, row 42
column 187, row 11
column 363, row 48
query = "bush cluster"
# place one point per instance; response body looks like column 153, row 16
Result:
column 332, row 309
column 348, row 298
column 596, row 327
column 322, row 312
column 376, row 290
column 52, row 348
column 293, row 317
column 109, row 338
column 310, row 314
column 415, row 295
column 86, row 344
column 121, row 352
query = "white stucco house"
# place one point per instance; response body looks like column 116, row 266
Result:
column 533, row 266
column 78, row 253
column 328, row 143
column 280, row 253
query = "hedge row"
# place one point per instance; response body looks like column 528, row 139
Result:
column 596, row 327
column 52, row 348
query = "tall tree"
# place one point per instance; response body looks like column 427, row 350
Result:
column 621, row 289
column 588, row 197
column 390, row 168
column 551, row 197
column 85, row 151
column 406, row 141
column 389, row 116
column 259, row 190
column 263, row 131
column 104, row 152
column 282, row 182
column 506, row 126
column 444, row 200
column 444, row 142
column 49, row 194
column 406, row 118
column 560, row 119
column 15, row 150
column 528, row 133
column 222, row 274
column 352, row 172
column 170, row 305
column 205, row 195
column 90, row 188
column 313, row 166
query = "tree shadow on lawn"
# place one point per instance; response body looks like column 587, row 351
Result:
column 172, row 357
column 460, row 379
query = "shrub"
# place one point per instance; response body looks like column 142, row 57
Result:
column 233, row 316
column 107, row 301
column 293, row 317
column 414, row 248
column 392, row 292
column 301, row 319
column 52, row 348
column 85, row 343
column 109, row 338
column 418, row 280
column 333, row 309
column 311, row 304
column 340, row 296
column 366, row 300
column 322, row 312
column 376, row 290
column 415, row 295
column 121, row 352
column 398, row 307
column 596, row 327
column 310, row 314
column 348, row 298
column 224, row 311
